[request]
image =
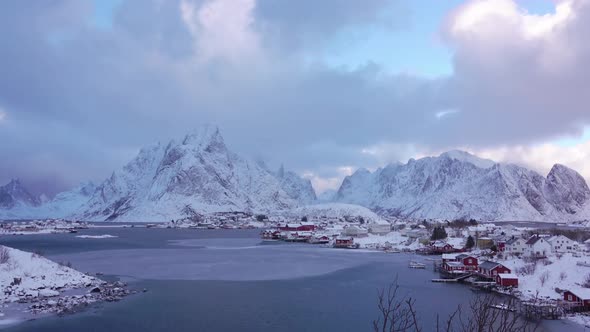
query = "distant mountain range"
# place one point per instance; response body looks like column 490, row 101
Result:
column 199, row 174
column 457, row 184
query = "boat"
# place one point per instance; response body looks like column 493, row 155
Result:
column 416, row 265
column 502, row 306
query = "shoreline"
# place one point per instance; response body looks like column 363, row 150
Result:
column 69, row 302
column 371, row 245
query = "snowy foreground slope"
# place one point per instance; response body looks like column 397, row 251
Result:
column 459, row 185
column 39, row 277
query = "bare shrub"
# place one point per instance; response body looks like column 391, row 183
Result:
column 544, row 277
column 527, row 269
column 587, row 281
column 562, row 276
column 397, row 314
column 4, row 255
column 16, row 281
column 66, row 264
column 38, row 253
column 546, row 262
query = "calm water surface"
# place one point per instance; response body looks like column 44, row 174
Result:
column 224, row 280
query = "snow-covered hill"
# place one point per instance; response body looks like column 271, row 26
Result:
column 336, row 211
column 459, row 185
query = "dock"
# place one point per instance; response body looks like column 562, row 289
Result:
column 445, row 280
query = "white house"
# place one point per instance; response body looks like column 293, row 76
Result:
column 354, row 231
column 516, row 246
column 537, row 246
column 563, row 244
column 414, row 233
column 379, row 228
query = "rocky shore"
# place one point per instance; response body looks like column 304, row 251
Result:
column 33, row 286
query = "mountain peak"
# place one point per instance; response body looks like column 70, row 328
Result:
column 560, row 168
column 469, row 158
column 203, row 135
column 14, row 182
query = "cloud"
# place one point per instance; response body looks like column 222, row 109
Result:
column 542, row 157
column 331, row 182
column 310, row 26
column 444, row 113
column 222, row 28
column 518, row 77
column 82, row 99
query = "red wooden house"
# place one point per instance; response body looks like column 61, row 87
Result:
column 461, row 264
column 302, row 227
column 578, row 297
column 307, row 227
column 507, row 280
column 490, row 270
column 470, row 262
column 344, row 242
column 441, row 247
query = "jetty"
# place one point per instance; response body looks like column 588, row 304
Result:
column 444, row 280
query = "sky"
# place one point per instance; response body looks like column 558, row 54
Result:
column 323, row 87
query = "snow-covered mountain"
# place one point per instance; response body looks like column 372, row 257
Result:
column 327, row 196
column 14, row 195
column 197, row 174
column 61, row 206
column 457, row 184
column 296, row 187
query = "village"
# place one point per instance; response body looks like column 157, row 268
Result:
column 546, row 269
column 46, row 226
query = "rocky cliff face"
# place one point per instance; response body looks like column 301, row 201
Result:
column 296, row 187
column 566, row 190
column 459, row 185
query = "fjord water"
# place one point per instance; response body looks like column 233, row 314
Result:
column 214, row 280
